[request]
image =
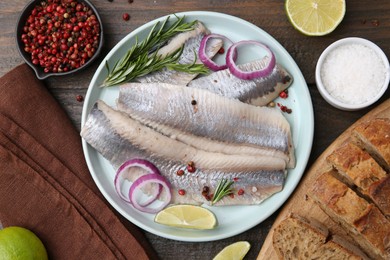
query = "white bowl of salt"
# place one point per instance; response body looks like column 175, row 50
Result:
column 352, row 73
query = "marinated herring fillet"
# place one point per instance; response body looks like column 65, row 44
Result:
column 191, row 41
column 145, row 138
column 206, row 144
column 259, row 91
column 205, row 114
column 118, row 137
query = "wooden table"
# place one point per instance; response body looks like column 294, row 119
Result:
column 365, row 18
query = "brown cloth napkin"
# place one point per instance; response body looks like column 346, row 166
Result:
column 45, row 185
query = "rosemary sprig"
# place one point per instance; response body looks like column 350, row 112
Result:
column 223, row 189
column 142, row 57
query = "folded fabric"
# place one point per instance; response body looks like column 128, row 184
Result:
column 45, row 185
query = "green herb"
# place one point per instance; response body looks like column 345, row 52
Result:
column 142, row 58
column 223, row 189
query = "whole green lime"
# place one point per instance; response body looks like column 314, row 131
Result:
column 20, row 243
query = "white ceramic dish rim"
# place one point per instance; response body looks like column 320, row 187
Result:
column 332, row 100
column 303, row 132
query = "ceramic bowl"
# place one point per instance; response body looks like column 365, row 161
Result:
column 27, row 57
column 333, row 98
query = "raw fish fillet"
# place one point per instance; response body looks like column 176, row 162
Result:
column 118, row 138
column 191, row 41
column 259, row 91
column 212, row 117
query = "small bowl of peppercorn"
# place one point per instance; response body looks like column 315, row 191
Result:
column 59, row 37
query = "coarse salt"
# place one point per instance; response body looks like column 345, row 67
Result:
column 353, row 73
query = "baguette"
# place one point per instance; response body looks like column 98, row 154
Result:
column 358, row 168
column 299, row 238
column 374, row 136
column 362, row 220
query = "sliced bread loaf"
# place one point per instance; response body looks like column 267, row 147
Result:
column 358, row 168
column 363, row 221
column 300, row 238
column 374, row 136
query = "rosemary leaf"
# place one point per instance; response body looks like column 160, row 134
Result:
column 142, row 58
column 223, row 189
column 189, row 68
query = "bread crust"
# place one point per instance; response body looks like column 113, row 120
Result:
column 380, row 193
column 358, row 168
column 297, row 237
column 363, row 221
column 289, row 231
column 374, row 136
column 353, row 251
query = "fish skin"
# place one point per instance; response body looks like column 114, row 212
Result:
column 115, row 142
column 191, row 41
column 258, row 91
column 207, row 144
column 156, row 144
column 215, row 117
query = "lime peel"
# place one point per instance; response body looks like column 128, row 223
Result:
column 235, row 251
column 20, row 243
column 315, row 17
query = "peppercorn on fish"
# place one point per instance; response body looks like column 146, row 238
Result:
column 204, row 114
column 191, row 41
column 259, row 91
column 118, row 137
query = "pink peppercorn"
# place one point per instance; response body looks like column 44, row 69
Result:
column 126, row 16
column 56, row 32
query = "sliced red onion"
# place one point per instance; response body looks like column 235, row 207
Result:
column 144, row 180
column 248, row 75
column 203, row 55
column 141, row 163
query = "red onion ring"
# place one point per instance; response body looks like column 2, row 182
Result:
column 141, row 182
column 248, row 75
column 203, row 55
column 141, row 163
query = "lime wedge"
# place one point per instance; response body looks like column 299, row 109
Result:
column 186, row 216
column 235, row 251
column 315, row 17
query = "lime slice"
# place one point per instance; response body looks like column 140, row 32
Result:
column 235, row 251
column 315, row 17
column 187, row 216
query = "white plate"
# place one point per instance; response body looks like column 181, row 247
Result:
column 232, row 219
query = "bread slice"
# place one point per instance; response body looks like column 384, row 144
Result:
column 300, row 238
column 358, row 168
column 380, row 193
column 342, row 246
column 374, row 136
column 363, row 221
